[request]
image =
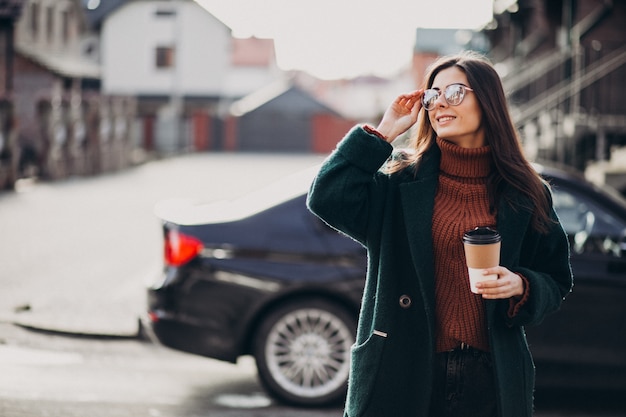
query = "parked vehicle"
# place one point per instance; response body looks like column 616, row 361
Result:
column 262, row 276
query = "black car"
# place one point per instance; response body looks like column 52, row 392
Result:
column 262, row 276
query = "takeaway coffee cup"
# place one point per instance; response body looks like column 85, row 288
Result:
column 482, row 250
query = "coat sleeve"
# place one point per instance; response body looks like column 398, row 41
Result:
column 344, row 187
column 545, row 263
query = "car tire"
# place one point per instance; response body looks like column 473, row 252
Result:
column 302, row 352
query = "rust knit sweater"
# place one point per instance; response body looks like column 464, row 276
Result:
column 461, row 203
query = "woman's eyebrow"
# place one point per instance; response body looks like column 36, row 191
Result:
column 457, row 83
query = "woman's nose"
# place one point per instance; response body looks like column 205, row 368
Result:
column 441, row 101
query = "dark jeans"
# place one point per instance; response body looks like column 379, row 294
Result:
column 463, row 385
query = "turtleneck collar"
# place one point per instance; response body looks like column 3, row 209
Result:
column 464, row 162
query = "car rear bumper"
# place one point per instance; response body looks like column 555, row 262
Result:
column 175, row 333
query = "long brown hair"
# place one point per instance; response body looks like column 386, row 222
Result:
column 510, row 165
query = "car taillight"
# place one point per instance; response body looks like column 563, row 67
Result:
column 180, row 248
column 153, row 316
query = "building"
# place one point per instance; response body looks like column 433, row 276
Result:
column 430, row 44
column 174, row 65
column 183, row 66
column 564, row 66
column 283, row 117
column 252, row 66
column 10, row 11
column 102, row 82
column 60, row 118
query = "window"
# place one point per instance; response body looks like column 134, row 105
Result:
column 164, row 57
column 165, row 13
column 591, row 228
column 34, row 20
column 50, row 23
column 66, row 19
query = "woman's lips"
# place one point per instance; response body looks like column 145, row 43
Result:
column 445, row 119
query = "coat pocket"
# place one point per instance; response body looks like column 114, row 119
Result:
column 365, row 363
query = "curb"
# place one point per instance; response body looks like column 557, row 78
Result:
column 95, row 332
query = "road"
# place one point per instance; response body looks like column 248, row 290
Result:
column 74, row 257
column 65, row 376
column 53, row 375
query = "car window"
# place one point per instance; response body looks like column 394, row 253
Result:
column 590, row 226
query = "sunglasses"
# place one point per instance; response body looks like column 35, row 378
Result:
column 454, row 95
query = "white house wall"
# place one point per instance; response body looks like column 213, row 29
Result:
column 132, row 33
column 241, row 81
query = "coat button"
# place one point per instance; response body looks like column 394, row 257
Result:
column 405, row 301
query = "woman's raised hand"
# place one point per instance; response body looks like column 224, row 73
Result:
column 400, row 115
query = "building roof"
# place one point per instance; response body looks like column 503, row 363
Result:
column 67, row 66
column 97, row 10
column 256, row 99
column 272, row 93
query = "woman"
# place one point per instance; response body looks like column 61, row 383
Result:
column 426, row 345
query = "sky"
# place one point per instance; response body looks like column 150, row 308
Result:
column 333, row 39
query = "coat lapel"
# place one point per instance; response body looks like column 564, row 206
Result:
column 418, row 199
column 512, row 224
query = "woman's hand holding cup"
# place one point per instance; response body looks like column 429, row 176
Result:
column 507, row 285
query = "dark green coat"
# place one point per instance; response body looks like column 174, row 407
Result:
column 391, row 216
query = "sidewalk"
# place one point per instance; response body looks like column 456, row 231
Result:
column 84, row 317
column 94, row 311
